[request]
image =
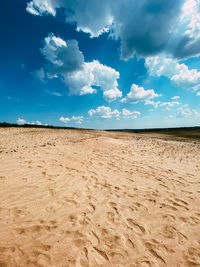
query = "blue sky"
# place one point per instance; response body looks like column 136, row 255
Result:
column 100, row 64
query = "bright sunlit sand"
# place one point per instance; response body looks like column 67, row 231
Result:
column 94, row 198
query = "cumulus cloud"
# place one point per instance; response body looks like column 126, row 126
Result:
column 112, row 94
column 66, row 61
column 179, row 74
column 93, row 17
column 169, row 105
column 186, row 42
column 130, row 114
column 136, row 25
column 134, row 22
column 78, row 119
column 65, row 57
column 41, row 7
column 145, row 27
column 153, row 103
column 22, row 121
column 37, row 123
column 94, row 74
column 185, row 111
column 104, row 112
column 198, row 94
column 138, row 94
column 187, row 78
column 107, row 113
column 65, row 120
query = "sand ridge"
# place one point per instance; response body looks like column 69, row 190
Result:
column 94, row 198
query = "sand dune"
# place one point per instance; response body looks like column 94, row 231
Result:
column 94, row 198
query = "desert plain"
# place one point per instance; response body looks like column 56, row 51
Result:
column 96, row 198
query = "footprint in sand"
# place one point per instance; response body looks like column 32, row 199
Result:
column 110, row 216
column 157, row 250
column 192, row 256
column 139, row 229
column 101, row 253
column 84, row 261
column 93, row 238
column 92, row 206
column 129, row 243
column 169, row 217
column 145, row 263
column 170, row 232
column 70, row 201
column 73, row 219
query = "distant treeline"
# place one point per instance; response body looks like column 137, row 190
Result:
column 183, row 132
column 195, row 128
column 6, row 124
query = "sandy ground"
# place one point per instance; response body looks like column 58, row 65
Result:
column 91, row 198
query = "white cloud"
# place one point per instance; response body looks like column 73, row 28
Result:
column 77, row 119
column 41, row 7
column 104, row 112
column 65, row 120
column 198, row 94
column 22, row 121
column 175, row 97
column 187, row 78
column 187, row 112
column 65, row 57
column 94, row 74
column 106, row 78
column 80, row 81
column 151, row 102
column 145, row 27
column 93, row 17
column 38, row 123
column 137, row 94
column 112, row 94
column 107, row 113
column 188, row 42
column 66, row 62
column 179, row 74
column 169, row 105
column 136, row 25
column 130, row 114
column 161, row 65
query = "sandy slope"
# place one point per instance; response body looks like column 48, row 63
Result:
column 78, row 198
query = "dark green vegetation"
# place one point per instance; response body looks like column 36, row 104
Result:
column 5, row 125
column 184, row 132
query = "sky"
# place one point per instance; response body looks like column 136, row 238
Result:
column 123, row 64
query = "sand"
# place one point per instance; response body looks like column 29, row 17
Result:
column 94, row 198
